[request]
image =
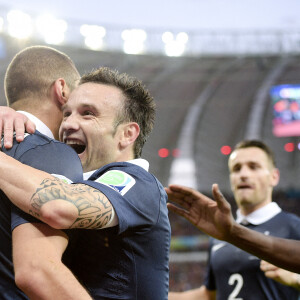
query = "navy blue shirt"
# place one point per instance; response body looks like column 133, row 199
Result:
column 41, row 152
column 232, row 271
column 128, row 261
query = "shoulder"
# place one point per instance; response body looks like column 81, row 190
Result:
column 42, row 142
column 290, row 218
column 121, row 172
column 288, row 224
column 34, row 141
column 46, row 154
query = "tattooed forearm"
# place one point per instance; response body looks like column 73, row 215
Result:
column 94, row 210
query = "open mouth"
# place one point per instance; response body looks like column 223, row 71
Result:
column 241, row 187
column 77, row 146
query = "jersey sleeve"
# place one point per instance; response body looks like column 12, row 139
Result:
column 53, row 158
column 136, row 201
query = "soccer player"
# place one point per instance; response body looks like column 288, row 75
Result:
column 106, row 120
column 232, row 272
column 38, row 81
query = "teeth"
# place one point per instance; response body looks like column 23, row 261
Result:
column 69, row 142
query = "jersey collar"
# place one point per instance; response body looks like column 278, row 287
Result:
column 39, row 125
column 143, row 163
column 260, row 215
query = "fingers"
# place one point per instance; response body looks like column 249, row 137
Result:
column 271, row 274
column 29, row 126
column 6, row 125
column 1, row 135
column 174, row 195
column 8, row 132
column 270, row 270
column 21, row 125
column 187, row 197
column 181, row 200
column 186, row 193
column 216, row 192
column 177, row 210
column 17, row 123
column 265, row 266
column 218, row 196
column 181, row 189
column 19, row 129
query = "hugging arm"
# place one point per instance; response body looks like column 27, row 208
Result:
column 215, row 219
column 59, row 204
column 39, row 271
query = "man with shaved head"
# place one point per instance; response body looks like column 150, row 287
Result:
column 38, row 83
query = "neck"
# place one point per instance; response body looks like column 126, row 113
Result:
column 125, row 158
column 49, row 114
column 52, row 121
column 248, row 209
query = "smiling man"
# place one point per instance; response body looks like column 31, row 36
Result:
column 93, row 127
column 233, row 273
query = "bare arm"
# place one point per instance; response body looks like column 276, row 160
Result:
column 215, row 218
column 201, row 293
column 12, row 121
column 51, row 200
column 39, row 271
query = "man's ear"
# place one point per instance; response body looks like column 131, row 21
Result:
column 275, row 177
column 130, row 132
column 61, row 91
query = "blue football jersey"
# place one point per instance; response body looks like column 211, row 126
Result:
column 236, row 274
column 128, row 261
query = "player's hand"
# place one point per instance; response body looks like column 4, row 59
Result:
column 12, row 121
column 280, row 275
column 212, row 217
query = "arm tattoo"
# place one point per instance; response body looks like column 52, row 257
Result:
column 94, row 210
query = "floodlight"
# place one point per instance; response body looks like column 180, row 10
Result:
column 133, row 40
column 19, row 24
column 94, row 35
column 51, row 28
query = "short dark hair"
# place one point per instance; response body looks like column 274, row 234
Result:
column 138, row 107
column 34, row 69
column 258, row 144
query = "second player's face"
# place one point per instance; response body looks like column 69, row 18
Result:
column 252, row 178
column 88, row 124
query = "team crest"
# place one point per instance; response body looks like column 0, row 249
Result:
column 117, row 180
